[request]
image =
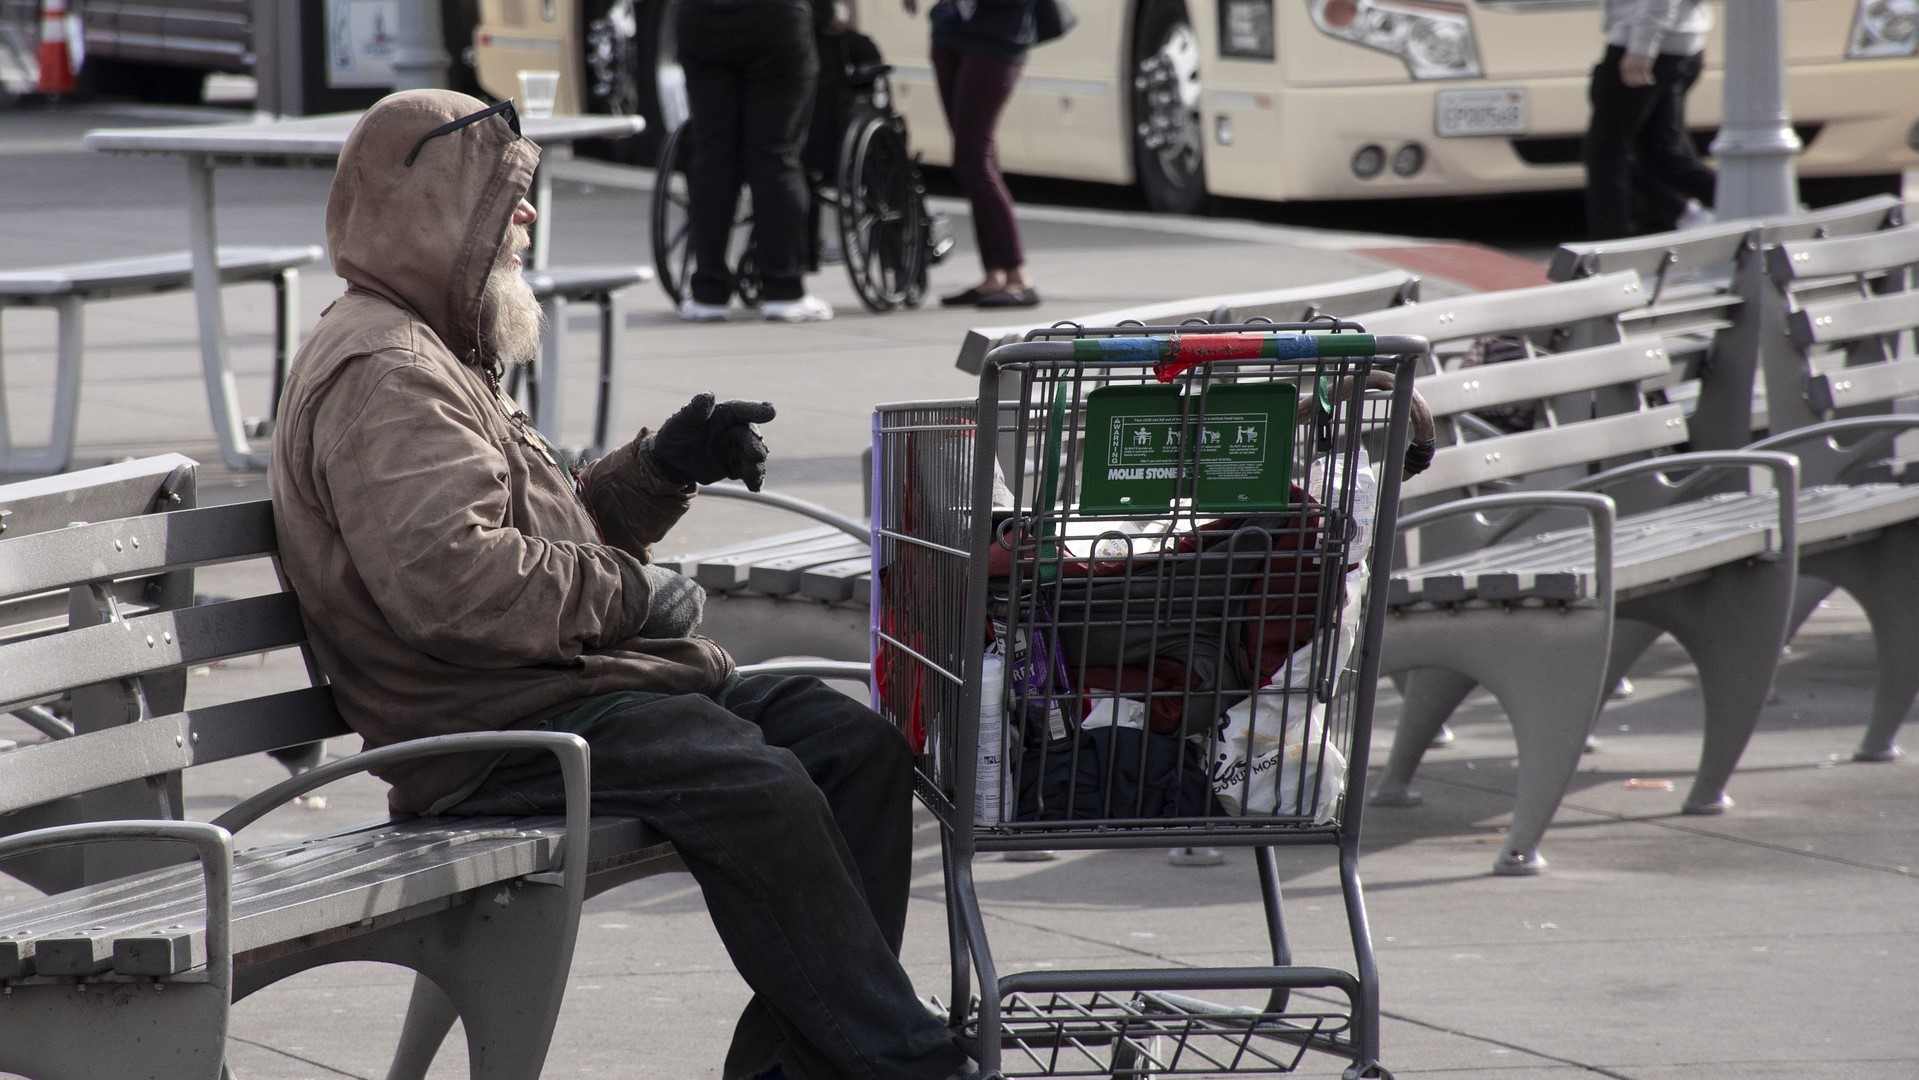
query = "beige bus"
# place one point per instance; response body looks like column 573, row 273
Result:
column 1314, row 99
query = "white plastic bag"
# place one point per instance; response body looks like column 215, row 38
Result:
column 1271, row 755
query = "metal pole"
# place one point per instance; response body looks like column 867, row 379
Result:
column 419, row 56
column 1756, row 143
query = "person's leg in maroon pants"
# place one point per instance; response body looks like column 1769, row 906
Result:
column 973, row 92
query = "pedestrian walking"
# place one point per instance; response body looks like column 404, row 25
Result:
column 752, row 68
column 1642, row 174
column 456, row 575
column 978, row 49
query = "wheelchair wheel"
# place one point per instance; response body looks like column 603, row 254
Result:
column 880, row 214
column 672, row 232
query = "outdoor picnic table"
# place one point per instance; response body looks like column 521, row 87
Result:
column 313, row 141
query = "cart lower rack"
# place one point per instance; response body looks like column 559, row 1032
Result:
column 1120, row 599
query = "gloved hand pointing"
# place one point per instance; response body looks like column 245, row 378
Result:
column 704, row 442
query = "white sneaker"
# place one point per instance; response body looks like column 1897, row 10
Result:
column 1695, row 216
column 693, row 311
column 808, row 308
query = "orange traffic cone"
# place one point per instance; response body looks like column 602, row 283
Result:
column 56, row 61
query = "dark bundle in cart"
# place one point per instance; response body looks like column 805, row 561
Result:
column 1121, row 600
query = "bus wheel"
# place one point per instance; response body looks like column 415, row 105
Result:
column 632, row 69
column 1168, row 138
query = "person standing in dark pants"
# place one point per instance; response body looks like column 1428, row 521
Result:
column 979, row 47
column 751, row 68
column 1641, row 172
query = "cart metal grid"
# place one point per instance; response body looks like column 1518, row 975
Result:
column 1155, row 582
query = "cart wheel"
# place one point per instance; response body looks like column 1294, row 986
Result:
column 1371, row 1070
column 672, row 236
column 1129, row 1063
column 879, row 214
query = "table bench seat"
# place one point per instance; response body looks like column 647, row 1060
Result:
column 67, row 289
column 555, row 288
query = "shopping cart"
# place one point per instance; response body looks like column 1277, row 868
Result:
column 1120, row 602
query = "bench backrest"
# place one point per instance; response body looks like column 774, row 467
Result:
column 1296, row 304
column 1706, row 294
column 1574, row 387
column 128, row 664
column 1850, row 306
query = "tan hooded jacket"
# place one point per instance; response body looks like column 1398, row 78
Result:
column 450, row 577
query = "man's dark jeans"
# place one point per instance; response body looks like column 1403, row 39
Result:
column 1638, row 135
column 751, row 69
column 791, row 805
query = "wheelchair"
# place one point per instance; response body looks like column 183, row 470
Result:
column 858, row 167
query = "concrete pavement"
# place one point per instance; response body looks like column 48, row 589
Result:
column 1780, row 940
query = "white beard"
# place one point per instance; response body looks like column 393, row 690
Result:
column 510, row 318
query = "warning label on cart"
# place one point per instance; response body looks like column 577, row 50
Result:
column 1228, row 449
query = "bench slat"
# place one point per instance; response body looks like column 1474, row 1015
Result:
column 725, row 573
column 1478, row 314
column 781, row 576
column 149, row 273
column 1863, row 384
column 1466, row 389
column 1472, row 463
column 1867, row 253
column 690, row 561
column 834, row 581
column 1849, row 320
column 135, row 545
column 32, row 669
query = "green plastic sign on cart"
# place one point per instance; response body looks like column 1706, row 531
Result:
column 1246, row 446
column 1147, row 445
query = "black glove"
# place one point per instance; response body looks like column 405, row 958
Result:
column 676, row 608
column 704, row 442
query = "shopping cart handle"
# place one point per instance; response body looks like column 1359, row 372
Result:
column 1172, row 355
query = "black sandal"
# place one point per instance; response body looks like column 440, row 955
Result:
column 1027, row 297
column 969, row 298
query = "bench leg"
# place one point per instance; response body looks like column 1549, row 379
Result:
column 1879, row 575
column 84, row 1032
column 216, row 363
column 547, row 374
column 501, row 958
column 1547, row 668
column 1428, row 697
column 286, row 331
column 57, row 454
column 1733, row 625
column 612, row 342
column 429, row 1017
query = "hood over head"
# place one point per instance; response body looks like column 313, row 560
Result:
column 425, row 235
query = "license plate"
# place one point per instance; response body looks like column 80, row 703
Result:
column 1480, row 112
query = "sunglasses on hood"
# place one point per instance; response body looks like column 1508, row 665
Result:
column 504, row 108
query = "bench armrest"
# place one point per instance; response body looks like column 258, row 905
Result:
column 1598, row 507
column 1827, row 449
column 1784, row 469
column 857, row 530
column 819, row 669
column 211, row 843
column 569, row 748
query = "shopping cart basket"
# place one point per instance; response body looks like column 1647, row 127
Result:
column 1120, row 601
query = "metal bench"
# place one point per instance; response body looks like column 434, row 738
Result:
column 1818, row 308
column 85, row 964
column 603, row 286
column 1519, row 591
column 99, row 619
column 67, row 289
